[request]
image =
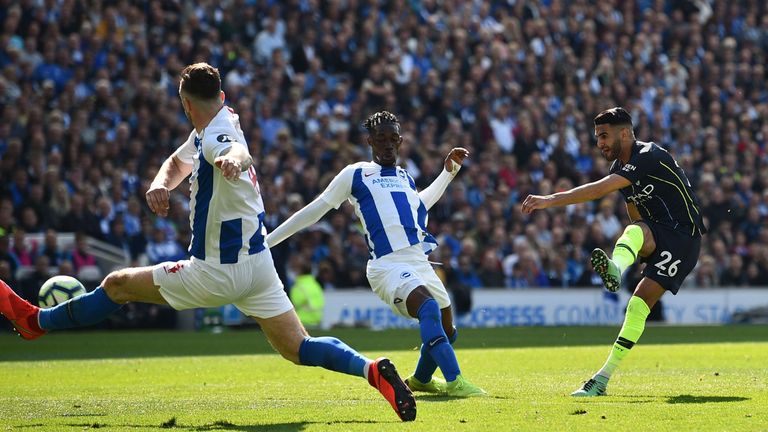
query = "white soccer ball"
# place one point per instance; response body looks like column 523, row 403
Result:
column 59, row 289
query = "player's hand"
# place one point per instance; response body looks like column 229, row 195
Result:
column 535, row 202
column 230, row 167
column 158, row 199
column 455, row 159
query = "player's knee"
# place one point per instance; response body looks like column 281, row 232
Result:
column 649, row 244
column 429, row 310
column 115, row 285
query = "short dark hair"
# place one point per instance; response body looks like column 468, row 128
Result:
column 381, row 117
column 201, row 81
column 614, row 116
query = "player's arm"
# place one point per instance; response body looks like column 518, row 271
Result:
column 332, row 197
column 583, row 193
column 633, row 212
column 170, row 175
column 303, row 218
column 233, row 160
column 432, row 193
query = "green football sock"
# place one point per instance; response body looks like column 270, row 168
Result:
column 627, row 247
column 634, row 324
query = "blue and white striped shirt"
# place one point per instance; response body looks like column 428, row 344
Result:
column 227, row 217
column 387, row 203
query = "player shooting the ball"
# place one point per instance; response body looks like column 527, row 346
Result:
column 665, row 232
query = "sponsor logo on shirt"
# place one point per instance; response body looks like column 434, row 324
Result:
column 643, row 195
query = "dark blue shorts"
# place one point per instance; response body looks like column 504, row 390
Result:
column 675, row 256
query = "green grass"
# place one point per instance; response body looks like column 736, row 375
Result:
column 676, row 379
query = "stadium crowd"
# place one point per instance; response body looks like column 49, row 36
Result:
column 90, row 109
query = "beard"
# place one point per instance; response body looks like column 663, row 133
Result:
column 613, row 151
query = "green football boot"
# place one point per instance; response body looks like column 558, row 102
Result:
column 460, row 387
column 435, row 385
column 606, row 269
column 594, row 387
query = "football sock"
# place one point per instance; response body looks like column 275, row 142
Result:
column 81, row 311
column 627, row 247
column 433, row 336
column 426, row 365
column 332, row 354
column 634, row 324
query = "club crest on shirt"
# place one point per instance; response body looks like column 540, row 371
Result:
column 223, row 138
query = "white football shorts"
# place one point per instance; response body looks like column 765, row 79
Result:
column 395, row 275
column 251, row 285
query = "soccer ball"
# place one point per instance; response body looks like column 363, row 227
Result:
column 59, row 289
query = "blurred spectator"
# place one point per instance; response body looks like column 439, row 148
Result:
column 490, row 270
column 706, row 276
column 6, row 254
column 306, row 293
column 31, row 282
column 23, row 251
column 7, row 275
column 80, row 255
column 161, row 248
column 734, row 274
column 51, row 249
column 465, row 273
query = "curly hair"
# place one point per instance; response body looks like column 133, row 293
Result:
column 381, row 117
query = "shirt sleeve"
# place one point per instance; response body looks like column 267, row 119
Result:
column 215, row 144
column 340, row 188
column 303, row 218
column 186, row 152
column 434, row 191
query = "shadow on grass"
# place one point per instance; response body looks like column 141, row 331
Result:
column 691, row 399
column 679, row 399
column 222, row 425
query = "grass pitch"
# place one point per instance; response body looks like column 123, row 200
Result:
column 676, row 379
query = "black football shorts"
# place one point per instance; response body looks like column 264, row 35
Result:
column 675, row 256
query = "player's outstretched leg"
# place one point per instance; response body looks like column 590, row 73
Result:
column 22, row 314
column 634, row 325
column 434, row 338
column 333, row 354
column 85, row 310
column 383, row 375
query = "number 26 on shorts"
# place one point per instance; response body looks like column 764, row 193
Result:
column 664, row 269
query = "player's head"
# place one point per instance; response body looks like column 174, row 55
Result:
column 384, row 137
column 200, row 87
column 612, row 128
